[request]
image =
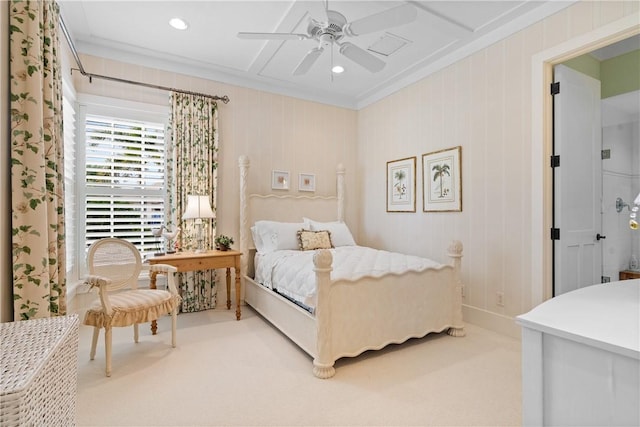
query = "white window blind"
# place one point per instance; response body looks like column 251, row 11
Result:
column 69, row 134
column 124, row 180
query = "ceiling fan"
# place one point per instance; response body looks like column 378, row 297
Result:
column 335, row 28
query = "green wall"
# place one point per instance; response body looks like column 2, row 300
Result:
column 586, row 64
column 620, row 74
column 617, row 75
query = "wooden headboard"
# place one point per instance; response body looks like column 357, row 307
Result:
column 285, row 208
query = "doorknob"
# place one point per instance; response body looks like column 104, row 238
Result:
column 598, row 236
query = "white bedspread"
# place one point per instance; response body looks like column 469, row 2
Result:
column 291, row 272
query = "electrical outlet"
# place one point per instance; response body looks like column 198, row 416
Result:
column 500, row 299
column 462, row 289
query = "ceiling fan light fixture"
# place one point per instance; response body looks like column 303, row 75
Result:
column 337, row 69
column 332, row 31
column 178, row 23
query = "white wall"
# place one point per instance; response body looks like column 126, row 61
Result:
column 620, row 178
column 635, row 180
column 482, row 103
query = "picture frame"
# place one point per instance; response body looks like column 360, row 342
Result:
column 401, row 185
column 442, row 180
column 306, row 182
column 280, row 180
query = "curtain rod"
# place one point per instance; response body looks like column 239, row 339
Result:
column 224, row 99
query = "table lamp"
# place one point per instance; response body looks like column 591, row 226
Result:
column 198, row 207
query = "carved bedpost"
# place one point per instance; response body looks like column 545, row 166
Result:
column 455, row 252
column 323, row 363
column 340, row 190
column 243, row 163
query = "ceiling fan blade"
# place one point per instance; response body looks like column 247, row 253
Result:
column 325, row 9
column 361, row 57
column 272, row 36
column 393, row 17
column 309, row 59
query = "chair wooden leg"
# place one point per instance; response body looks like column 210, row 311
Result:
column 174, row 321
column 94, row 343
column 107, row 345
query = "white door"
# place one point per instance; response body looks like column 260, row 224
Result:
column 577, row 181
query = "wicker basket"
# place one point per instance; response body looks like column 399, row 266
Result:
column 39, row 372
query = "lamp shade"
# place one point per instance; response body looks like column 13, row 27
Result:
column 198, row 207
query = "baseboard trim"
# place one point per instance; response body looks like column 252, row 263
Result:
column 496, row 322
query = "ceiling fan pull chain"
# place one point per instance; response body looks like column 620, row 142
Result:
column 331, row 68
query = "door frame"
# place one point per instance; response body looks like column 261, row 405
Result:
column 542, row 138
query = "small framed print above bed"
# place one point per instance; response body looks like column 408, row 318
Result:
column 401, row 185
column 307, row 182
column 280, row 180
column 442, row 180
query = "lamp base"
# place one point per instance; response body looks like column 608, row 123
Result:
column 199, row 237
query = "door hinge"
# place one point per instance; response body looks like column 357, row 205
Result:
column 555, row 234
column 555, row 88
column 555, row 161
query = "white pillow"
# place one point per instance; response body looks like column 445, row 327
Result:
column 278, row 235
column 340, row 234
column 257, row 240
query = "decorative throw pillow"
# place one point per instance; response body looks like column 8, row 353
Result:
column 310, row 240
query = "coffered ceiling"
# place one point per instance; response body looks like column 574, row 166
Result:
column 441, row 33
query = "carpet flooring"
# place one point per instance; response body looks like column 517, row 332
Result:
column 245, row 373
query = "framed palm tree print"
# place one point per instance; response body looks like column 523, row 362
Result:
column 401, row 185
column 442, row 180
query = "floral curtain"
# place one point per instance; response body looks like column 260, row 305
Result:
column 192, row 164
column 37, row 174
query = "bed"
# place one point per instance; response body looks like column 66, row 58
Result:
column 343, row 317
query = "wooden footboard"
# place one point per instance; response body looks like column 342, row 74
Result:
column 352, row 317
column 369, row 314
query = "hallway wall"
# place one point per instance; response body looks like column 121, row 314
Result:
column 620, row 178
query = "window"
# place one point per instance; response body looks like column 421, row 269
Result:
column 123, row 172
column 69, row 135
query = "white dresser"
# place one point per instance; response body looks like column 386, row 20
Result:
column 581, row 358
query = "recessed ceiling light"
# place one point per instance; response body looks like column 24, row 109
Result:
column 178, row 23
column 337, row 69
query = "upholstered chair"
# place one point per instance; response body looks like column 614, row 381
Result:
column 114, row 269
